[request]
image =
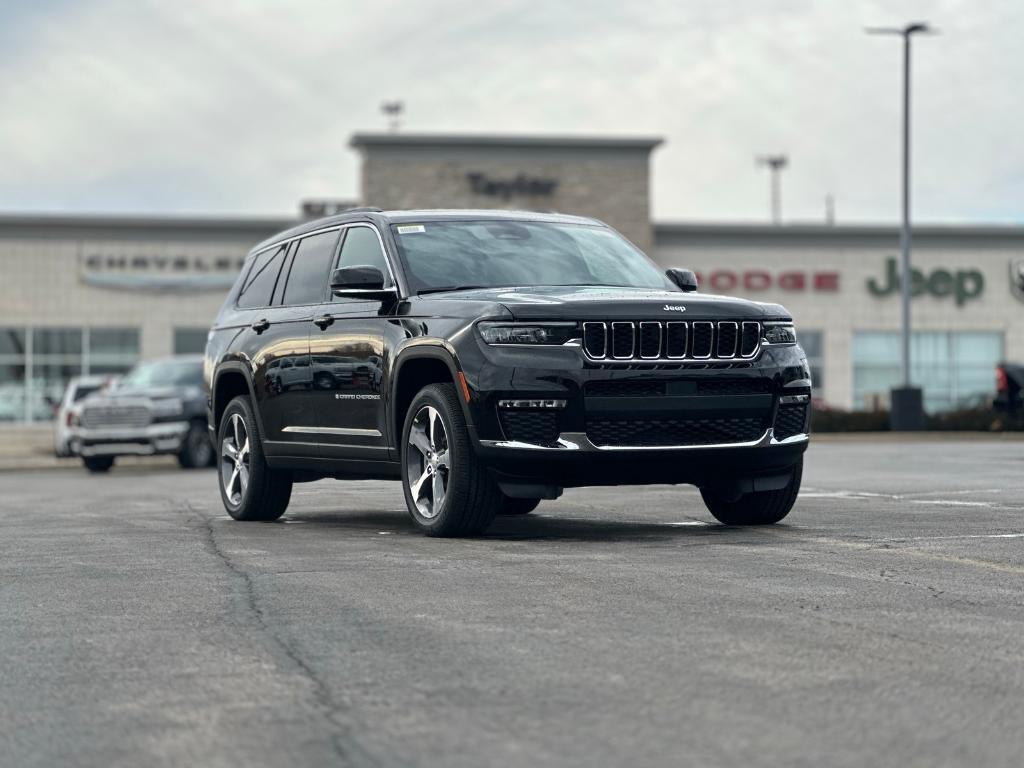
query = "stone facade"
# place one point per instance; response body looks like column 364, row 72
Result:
column 608, row 179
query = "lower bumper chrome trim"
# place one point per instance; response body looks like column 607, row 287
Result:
column 578, row 441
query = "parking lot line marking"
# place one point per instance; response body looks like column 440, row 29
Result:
column 872, row 546
column 967, row 536
column 908, row 497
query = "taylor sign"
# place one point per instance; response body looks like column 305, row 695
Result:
column 139, row 270
column 963, row 284
column 520, row 186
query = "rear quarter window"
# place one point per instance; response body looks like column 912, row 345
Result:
column 259, row 282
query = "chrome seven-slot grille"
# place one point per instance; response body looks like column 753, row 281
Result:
column 671, row 340
column 106, row 416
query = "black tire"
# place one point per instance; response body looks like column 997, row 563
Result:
column 759, row 508
column 266, row 493
column 510, row 506
column 196, row 449
column 98, row 464
column 471, row 498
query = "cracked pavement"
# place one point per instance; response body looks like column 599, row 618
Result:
column 882, row 624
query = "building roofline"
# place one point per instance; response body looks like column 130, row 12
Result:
column 666, row 233
column 151, row 221
column 359, row 140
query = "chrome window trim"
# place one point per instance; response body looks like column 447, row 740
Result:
column 336, row 228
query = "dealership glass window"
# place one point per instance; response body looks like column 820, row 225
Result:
column 190, row 341
column 36, row 364
column 953, row 368
column 812, row 344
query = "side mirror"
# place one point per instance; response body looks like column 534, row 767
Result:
column 360, row 282
column 684, row 279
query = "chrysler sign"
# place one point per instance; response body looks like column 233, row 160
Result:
column 139, row 270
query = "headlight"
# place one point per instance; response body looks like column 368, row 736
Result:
column 534, row 333
column 779, row 333
column 169, row 407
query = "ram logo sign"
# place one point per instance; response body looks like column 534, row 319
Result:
column 1017, row 278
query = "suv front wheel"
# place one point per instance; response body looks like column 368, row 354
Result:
column 249, row 488
column 447, row 490
column 758, row 508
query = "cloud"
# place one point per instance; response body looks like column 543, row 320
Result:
column 244, row 108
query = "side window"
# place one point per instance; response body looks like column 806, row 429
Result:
column 259, row 283
column 307, row 280
column 362, row 248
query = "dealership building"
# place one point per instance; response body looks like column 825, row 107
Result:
column 87, row 294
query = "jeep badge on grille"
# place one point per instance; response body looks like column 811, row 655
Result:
column 674, row 308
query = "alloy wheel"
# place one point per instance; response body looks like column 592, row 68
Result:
column 234, row 459
column 428, row 462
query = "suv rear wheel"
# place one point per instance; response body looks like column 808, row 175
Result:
column 759, row 508
column 249, row 488
column 447, row 490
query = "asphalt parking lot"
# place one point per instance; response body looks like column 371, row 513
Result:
column 882, row 624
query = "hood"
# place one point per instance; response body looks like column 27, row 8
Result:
column 601, row 303
column 135, row 394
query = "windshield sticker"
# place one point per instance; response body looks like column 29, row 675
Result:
column 410, row 229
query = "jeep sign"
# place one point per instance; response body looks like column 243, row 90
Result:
column 963, row 285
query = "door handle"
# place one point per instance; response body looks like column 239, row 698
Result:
column 260, row 325
column 323, row 321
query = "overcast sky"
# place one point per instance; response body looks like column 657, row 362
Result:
column 244, row 107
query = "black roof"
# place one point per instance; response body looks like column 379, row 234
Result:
column 385, row 218
column 471, row 140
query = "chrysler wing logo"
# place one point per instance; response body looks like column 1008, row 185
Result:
column 1017, row 278
column 678, row 308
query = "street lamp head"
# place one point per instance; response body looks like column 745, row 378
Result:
column 915, row 28
column 776, row 162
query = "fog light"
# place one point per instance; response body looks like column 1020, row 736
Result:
column 791, row 399
column 531, row 403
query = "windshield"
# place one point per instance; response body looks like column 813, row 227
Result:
column 497, row 254
column 84, row 390
column 165, row 373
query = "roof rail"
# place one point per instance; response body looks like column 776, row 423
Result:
column 364, row 209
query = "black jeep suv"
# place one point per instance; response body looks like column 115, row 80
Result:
column 490, row 359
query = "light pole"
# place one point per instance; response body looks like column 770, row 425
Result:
column 775, row 165
column 906, row 408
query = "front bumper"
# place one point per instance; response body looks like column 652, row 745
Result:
column 155, row 439
column 694, row 422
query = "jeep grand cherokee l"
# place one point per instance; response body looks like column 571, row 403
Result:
column 506, row 356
